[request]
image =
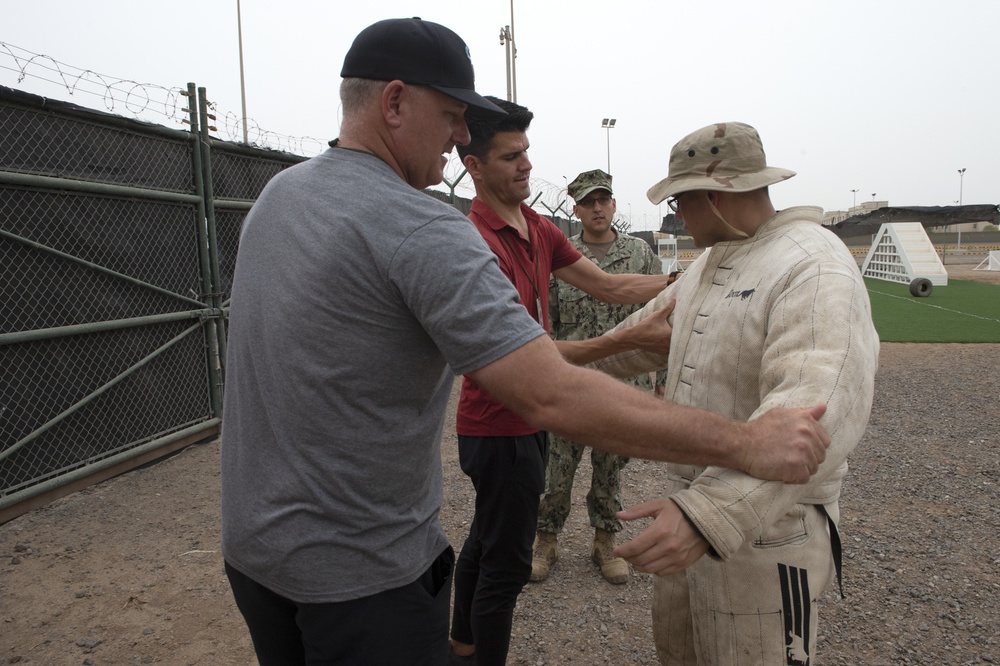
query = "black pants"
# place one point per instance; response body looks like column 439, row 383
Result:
column 495, row 563
column 400, row 627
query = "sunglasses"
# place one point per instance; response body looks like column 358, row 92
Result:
column 590, row 201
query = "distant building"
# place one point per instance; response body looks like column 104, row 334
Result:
column 868, row 218
column 831, row 217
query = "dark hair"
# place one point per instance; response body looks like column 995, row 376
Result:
column 483, row 128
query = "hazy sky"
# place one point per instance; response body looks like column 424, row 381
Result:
column 889, row 97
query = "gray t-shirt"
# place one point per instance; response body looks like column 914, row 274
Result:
column 353, row 294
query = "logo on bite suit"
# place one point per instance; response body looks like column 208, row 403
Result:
column 745, row 294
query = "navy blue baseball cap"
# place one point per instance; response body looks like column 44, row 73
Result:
column 418, row 52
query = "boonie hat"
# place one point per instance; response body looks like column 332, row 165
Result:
column 420, row 53
column 725, row 156
column 587, row 182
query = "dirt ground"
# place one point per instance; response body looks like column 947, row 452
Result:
column 129, row 571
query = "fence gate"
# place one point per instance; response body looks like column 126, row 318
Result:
column 116, row 252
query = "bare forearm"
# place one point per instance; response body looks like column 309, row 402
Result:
column 592, row 408
column 581, row 352
column 632, row 288
column 608, row 415
column 651, row 335
column 783, row 444
column 617, row 288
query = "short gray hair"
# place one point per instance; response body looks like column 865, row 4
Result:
column 356, row 93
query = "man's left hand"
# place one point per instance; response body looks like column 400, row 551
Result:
column 652, row 334
column 669, row 545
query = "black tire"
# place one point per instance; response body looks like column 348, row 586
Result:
column 921, row 287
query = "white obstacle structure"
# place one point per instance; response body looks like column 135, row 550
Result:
column 902, row 252
column 666, row 250
column 990, row 263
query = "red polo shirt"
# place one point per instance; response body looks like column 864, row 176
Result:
column 528, row 266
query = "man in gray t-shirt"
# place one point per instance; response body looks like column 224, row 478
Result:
column 356, row 298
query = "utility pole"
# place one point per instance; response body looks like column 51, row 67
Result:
column 243, row 85
column 961, row 177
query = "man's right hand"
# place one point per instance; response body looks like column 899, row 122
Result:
column 785, row 444
column 651, row 334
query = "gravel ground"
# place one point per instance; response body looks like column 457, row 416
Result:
column 128, row 572
column 920, row 524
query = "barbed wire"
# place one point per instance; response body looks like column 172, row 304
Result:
column 115, row 93
column 141, row 100
column 232, row 130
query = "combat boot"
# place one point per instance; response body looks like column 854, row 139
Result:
column 614, row 569
column 543, row 555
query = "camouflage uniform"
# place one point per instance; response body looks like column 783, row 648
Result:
column 575, row 315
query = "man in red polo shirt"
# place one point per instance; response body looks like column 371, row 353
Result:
column 502, row 453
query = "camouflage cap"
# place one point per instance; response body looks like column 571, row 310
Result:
column 587, row 182
column 724, row 156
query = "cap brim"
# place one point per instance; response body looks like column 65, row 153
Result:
column 669, row 187
column 478, row 105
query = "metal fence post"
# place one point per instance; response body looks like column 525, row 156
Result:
column 213, row 245
column 205, row 241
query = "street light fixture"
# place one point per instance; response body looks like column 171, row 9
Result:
column 961, row 177
column 855, row 193
column 507, row 39
column 609, row 124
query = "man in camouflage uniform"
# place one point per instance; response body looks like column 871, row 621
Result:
column 575, row 315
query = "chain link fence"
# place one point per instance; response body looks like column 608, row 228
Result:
column 118, row 242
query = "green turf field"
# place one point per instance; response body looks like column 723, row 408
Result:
column 963, row 311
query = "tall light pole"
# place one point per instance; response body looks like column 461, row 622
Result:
column 961, row 177
column 507, row 39
column 243, row 87
column 855, row 193
column 609, row 124
column 873, row 196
